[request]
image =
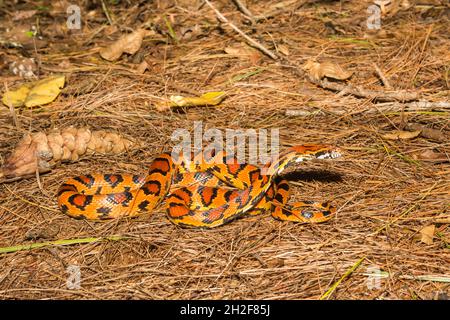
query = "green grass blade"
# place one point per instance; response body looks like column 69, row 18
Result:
column 172, row 33
column 246, row 75
column 337, row 283
column 64, row 242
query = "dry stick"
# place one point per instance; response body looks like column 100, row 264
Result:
column 385, row 107
column 250, row 40
column 281, row 10
column 414, row 106
column 382, row 77
column 387, row 96
column 349, row 89
column 244, row 10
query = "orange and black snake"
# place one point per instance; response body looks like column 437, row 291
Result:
column 202, row 194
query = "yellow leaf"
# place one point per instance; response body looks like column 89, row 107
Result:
column 210, row 98
column 404, row 135
column 427, row 234
column 213, row 98
column 44, row 91
column 35, row 93
column 17, row 97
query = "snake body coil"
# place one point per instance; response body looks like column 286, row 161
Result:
column 203, row 194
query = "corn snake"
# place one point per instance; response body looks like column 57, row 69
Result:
column 202, row 194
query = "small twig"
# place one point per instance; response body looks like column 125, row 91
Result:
column 435, row 278
column 285, row 8
column 244, row 10
column 387, row 96
column 382, row 77
column 38, row 179
column 250, row 40
column 379, row 107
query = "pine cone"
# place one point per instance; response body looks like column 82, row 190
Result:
column 41, row 151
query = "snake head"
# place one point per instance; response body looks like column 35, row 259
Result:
column 316, row 151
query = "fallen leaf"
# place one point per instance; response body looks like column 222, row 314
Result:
column 327, row 69
column 244, row 52
column 17, row 97
column 401, row 135
column 210, row 98
column 189, row 33
column 391, row 7
column 427, row 234
column 129, row 43
column 142, row 67
column 430, row 155
column 45, row 91
column 35, row 93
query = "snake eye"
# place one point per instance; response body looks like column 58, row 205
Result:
column 328, row 154
column 307, row 214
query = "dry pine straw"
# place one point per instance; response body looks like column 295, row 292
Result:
column 384, row 198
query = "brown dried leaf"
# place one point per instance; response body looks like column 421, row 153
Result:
column 142, row 67
column 189, row 32
column 244, row 52
column 430, row 155
column 327, row 69
column 401, row 135
column 236, row 51
column 427, row 234
column 391, row 7
column 129, row 43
